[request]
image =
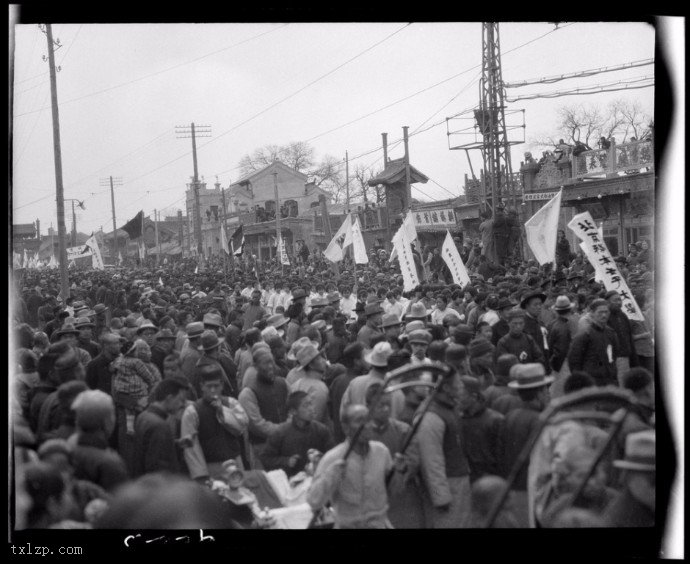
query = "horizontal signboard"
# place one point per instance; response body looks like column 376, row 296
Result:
column 434, row 219
column 529, row 197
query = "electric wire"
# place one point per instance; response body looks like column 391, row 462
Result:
column 108, row 89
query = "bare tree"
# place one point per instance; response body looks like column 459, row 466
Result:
column 329, row 175
column 259, row 159
column 360, row 189
column 587, row 124
column 298, row 155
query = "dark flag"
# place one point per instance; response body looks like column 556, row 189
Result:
column 237, row 241
column 134, row 226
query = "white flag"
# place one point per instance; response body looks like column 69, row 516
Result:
column 604, row 264
column 452, row 257
column 16, row 259
column 196, row 270
column 119, row 257
column 53, row 262
column 360, row 250
column 224, row 241
column 283, row 252
column 25, row 262
column 542, row 230
column 406, row 260
column 142, row 249
column 410, row 233
column 334, row 251
column 160, row 281
column 96, row 259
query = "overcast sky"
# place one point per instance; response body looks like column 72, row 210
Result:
column 123, row 88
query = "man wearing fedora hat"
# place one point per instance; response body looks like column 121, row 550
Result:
column 372, row 312
column 164, row 342
column 356, row 391
column 532, row 303
column 314, row 367
column 532, row 385
column 417, row 312
column 391, row 325
column 146, row 331
column 560, row 337
column 69, row 334
column 635, row 505
column 85, row 337
column 190, row 353
column 209, row 345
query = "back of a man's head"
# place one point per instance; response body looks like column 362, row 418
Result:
column 93, row 409
column 160, row 501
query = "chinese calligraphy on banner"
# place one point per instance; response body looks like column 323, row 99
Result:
column 434, row 219
column 604, row 264
column 78, row 252
column 408, row 269
column 452, row 257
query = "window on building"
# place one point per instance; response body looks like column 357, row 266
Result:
column 291, row 208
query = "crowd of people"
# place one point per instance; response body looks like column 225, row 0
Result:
column 180, row 397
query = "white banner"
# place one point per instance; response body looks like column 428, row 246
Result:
column 599, row 256
column 407, row 266
column 283, row 252
column 224, row 241
column 410, row 233
column 78, row 252
column 542, row 231
column 360, row 250
column 96, row 258
column 450, row 254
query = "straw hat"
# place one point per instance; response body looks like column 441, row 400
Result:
column 640, row 452
column 378, row 356
column 531, row 375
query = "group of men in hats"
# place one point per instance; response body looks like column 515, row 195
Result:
column 280, row 372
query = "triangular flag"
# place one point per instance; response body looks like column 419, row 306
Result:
column 160, row 281
column 343, row 238
column 450, row 254
column 542, row 230
column 360, row 250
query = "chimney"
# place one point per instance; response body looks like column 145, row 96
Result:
column 385, row 149
column 38, row 229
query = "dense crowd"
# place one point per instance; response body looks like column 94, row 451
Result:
column 187, row 397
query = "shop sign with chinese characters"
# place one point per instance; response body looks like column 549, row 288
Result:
column 434, row 220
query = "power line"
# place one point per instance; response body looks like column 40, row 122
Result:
column 585, row 73
column 276, row 103
column 157, row 72
column 308, row 85
column 596, row 89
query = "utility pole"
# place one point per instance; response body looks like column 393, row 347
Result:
column 408, row 187
column 347, row 183
column 74, row 226
column 278, row 235
column 194, row 132
column 224, row 227
column 158, row 243
column 113, row 182
column 59, row 194
column 327, row 229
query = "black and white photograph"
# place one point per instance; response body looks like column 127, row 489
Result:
column 324, row 275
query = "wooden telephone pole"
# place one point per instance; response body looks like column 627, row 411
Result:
column 194, row 132
column 59, row 194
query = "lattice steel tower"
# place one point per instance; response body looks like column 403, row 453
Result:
column 491, row 121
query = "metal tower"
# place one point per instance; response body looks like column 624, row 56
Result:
column 490, row 118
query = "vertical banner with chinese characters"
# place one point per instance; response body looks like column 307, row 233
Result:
column 599, row 256
column 451, row 255
column 406, row 260
column 281, row 249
